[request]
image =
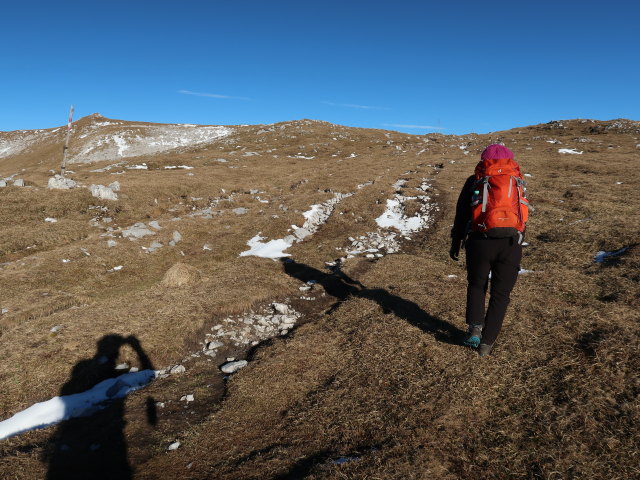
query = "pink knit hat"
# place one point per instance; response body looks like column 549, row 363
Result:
column 495, row 152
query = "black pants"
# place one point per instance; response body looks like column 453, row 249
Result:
column 500, row 257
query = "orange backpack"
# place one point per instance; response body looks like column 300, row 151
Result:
column 499, row 205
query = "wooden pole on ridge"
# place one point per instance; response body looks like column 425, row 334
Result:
column 66, row 142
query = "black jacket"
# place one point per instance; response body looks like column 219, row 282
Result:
column 463, row 211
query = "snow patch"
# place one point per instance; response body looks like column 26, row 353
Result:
column 601, row 256
column 315, row 217
column 82, row 404
column 273, row 249
column 572, row 151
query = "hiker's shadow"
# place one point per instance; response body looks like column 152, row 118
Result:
column 340, row 286
column 93, row 444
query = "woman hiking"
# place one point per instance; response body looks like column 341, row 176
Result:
column 491, row 213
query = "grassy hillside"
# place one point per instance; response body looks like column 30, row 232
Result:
column 373, row 382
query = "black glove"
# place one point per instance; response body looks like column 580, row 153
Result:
column 454, row 251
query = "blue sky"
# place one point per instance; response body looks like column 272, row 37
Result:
column 414, row 66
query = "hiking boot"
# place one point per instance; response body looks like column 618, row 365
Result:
column 484, row 349
column 473, row 336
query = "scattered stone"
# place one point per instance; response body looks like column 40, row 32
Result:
column 50, row 220
column 138, row 230
column 122, row 366
column 174, row 446
column 53, row 330
column 175, row 238
column 187, row 398
column 282, row 308
column 154, row 224
column 102, row 192
column 58, row 182
column 116, row 268
column 206, row 247
column 154, row 246
column 115, row 186
column 4, row 310
column 177, row 369
column 233, row 367
column 214, row 344
column 240, row 211
column 3, row 183
column 111, row 243
column 107, row 219
column 18, row 182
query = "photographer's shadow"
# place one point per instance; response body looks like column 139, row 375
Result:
column 340, row 286
column 93, row 445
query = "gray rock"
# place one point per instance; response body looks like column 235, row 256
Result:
column 111, row 243
column 240, row 211
column 214, row 344
column 174, row 446
column 115, row 186
column 177, row 369
column 102, row 192
column 18, row 182
column 138, row 230
column 58, row 182
column 3, row 184
column 282, row 308
column 154, row 224
column 233, row 367
column 154, row 246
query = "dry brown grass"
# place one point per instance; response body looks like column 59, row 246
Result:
column 380, row 379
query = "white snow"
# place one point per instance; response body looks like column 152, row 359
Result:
column 121, row 144
column 602, row 255
column 77, row 405
column 316, row 216
column 273, row 249
column 394, row 216
column 569, row 150
column 139, row 140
